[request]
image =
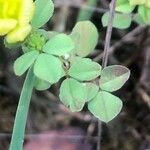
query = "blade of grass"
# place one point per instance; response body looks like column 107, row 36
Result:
column 22, row 112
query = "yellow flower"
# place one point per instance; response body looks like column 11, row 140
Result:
column 15, row 17
column 146, row 3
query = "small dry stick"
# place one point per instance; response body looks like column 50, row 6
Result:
column 105, row 57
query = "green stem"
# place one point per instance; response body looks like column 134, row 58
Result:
column 22, row 112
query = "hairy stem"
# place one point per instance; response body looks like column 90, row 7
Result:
column 22, row 112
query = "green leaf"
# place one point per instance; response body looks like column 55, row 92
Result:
column 114, row 77
column 91, row 90
column 41, row 84
column 86, row 39
column 121, row 21
column 24, row 62
column 144, row 12
column 59, row 45
column 48, row 68
column 85, row 69
column 76, row 39
column 124, row 6
column 138, row 19
column 105, row 106
column 43, row 12
column 72, row 94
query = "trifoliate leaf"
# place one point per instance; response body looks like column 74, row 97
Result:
column 138, row 19
column 105, row 106
column 91, row 90
column 86, row 37
column 144, row 13
column 59, row 45
column 72, row 94
column 84, row 69
column 124, row 6
column 114, row 77
column 48, row 68
column 24, row 62
column 121, row 21
column 43, row 12
column 41, row 84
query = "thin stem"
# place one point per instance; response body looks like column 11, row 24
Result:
column 109, row 33
column 105, row 58
column 22, row 112
column 99, row 135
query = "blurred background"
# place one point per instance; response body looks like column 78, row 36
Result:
column 51, row 126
